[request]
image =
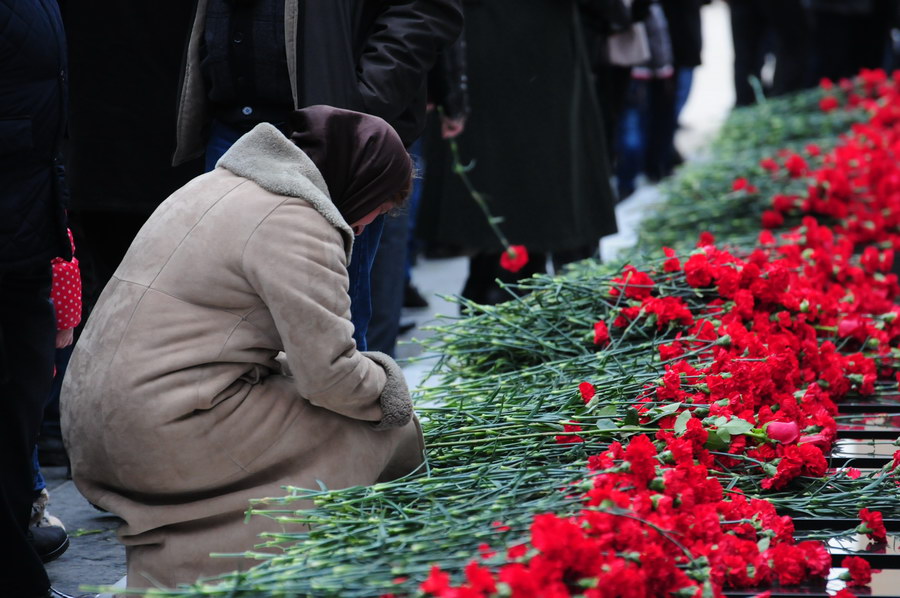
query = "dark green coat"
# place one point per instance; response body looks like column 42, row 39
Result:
column 534, row 134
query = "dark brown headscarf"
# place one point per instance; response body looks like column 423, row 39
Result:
column 360, row 157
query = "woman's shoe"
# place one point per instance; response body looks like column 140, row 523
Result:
column 49, row 542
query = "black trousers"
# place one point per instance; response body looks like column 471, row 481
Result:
column 27, row 339
column 779, row 26
column 844, row 44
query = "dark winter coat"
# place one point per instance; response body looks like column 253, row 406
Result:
column 683, row 17
column 535, row 135
column 32, row 120
column 125, row 59
column 448, row 81
column 364, row 55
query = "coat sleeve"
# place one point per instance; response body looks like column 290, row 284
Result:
column 402, row 47
column 297, row 265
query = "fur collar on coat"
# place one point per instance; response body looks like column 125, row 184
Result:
column 273, row 162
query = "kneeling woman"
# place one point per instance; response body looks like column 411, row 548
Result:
column 175, row 410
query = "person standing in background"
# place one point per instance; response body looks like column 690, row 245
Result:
column 646, row 127
column 253, row 61
column 66, row 296
column 686, row 34
column 125, row 59
column 448, row 102
column 850, row 35
column 781, row 27
column 536, row 138
column 617, row 41
column 33, row 72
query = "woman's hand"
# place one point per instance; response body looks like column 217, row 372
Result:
column 64, row 338
column 451, row 127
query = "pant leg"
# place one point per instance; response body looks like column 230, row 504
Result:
column 27, row 335
column 830, row 40
column 791, row 29
column 417, row 152
column 660, row 131
column 387, row 283
column 360, row 272
column 748, row 27
column 631, row 142
column 39, row 482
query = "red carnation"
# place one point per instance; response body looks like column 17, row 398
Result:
column 567, row 438
column 672, row 264
column 698, row 271
column 635, row 284
column 587, row 391
column 772, row 219
column 859, row 572
column 769, row 164
column 601, row 333
column 872, row 525
column 828, row 103
column 706, row 238
column 437, row 583
column 480, row 578
column 514, row 258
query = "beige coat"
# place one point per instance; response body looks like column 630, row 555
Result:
column 175, row 410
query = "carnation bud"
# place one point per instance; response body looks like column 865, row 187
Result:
column 783, row 432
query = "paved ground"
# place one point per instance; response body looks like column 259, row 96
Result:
column 96, row 559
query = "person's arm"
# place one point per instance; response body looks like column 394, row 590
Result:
column 448, row 88
column 298, row 268
column 402, row 47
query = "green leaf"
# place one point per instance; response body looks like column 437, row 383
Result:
column 718, row 440
column 668, row 409
column 737, row 426
column 608, row 411
column 631, row 417
column 681, row 423
column 606, row 424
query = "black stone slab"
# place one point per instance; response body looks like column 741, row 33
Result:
column 869, row 425
column 837, row 524
column 883, row 404
column 885, row 584
column 881, row 555
column 862, row 452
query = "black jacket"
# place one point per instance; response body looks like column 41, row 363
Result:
column 32, row 119
column 448, row 81
column 367, row 55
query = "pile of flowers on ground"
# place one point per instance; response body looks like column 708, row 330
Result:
column 651, row 427
column 766, row 345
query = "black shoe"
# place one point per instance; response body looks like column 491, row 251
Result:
column 49, row 542
column 406, row 326
column 413, row 298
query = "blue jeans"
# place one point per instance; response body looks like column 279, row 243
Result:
column 223, row 137
column 417, row 153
